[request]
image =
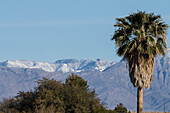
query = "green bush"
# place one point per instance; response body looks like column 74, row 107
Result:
column 51, row 96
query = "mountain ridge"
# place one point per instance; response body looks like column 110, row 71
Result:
column 64, row 65
column 112, row 84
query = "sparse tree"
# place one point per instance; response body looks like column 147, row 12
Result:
column 139, row 38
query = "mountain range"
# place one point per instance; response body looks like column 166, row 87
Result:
column 109, row 79
column 65, row 65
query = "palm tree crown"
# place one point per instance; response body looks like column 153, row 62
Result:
column 139, row 38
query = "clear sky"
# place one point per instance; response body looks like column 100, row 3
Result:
column 49, row 30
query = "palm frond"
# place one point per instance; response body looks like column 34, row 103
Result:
column 122, row 50
column 152, row 51
column 160, row 49
column 132, row 46
column 140, row 33
column 122, row 20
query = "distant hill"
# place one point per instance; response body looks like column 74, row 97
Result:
column 110, row 80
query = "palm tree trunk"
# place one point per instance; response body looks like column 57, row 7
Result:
column 140, row 100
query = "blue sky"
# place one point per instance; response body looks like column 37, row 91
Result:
column 49, row 30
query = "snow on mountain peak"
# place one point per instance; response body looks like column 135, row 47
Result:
column 18, row 63
column 29, row 64
column 65, row 65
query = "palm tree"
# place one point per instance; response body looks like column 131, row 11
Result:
column 140, row 37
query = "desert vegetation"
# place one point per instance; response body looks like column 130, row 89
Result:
column 51, row 96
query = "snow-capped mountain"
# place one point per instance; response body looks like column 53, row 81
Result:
column 65, row 65
column 109, row 79
column 49, row 67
